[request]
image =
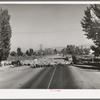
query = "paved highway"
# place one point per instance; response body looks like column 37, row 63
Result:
column 65, row 77
column 57, row 77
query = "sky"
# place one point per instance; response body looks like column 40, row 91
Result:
column 53, row 25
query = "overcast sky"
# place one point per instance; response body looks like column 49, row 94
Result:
column 52, row 25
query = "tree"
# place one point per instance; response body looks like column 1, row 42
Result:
column 5, row 34
column 96, row 50
column 63, row 51
column 27, row 53
column 91, row 25
column 78, row 51
column 55, row 51
column 31, row 51
column 19, row 52
column 86, row 51
column 70, row 49
column 13, row 53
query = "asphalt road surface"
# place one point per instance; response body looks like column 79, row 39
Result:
column 65, row 77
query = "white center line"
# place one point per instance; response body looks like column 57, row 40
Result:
column 51, row 78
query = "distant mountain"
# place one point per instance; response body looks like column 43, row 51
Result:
column 58, row 48
column 83, row 46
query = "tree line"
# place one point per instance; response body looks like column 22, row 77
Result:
column 75, row 50
column 70, row 49
column 31, row 52
column 19, row 52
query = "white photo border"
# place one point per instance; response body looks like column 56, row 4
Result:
column 48, row 93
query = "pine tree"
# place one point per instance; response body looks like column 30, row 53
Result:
column 5, row 34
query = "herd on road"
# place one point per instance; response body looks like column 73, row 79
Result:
column 40, row 62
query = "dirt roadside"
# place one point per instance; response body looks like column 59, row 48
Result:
column 13, row 78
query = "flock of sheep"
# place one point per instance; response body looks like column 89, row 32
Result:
column 40, row 62
column 46, row 62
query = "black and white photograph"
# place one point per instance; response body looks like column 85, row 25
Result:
column 50, row 46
